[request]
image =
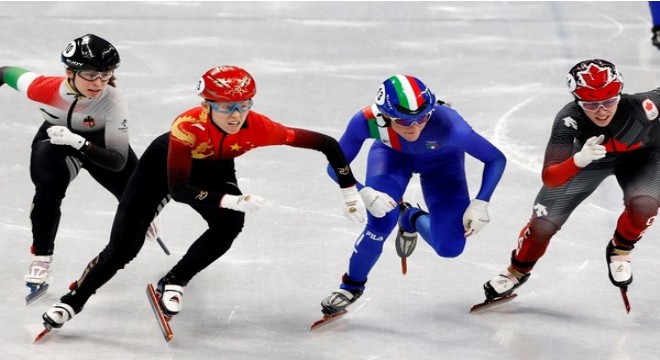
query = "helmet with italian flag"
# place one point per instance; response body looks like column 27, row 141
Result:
column 404, row 97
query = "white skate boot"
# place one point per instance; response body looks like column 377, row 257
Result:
column 504, row 284
column 171, row 300
column 171, row 294
column 619, row 266
column 57, row 315
column 39, row 270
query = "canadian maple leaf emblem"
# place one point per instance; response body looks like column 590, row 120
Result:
column 648, row 105
column 595, row 76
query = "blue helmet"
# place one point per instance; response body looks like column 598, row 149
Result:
column 404, row 97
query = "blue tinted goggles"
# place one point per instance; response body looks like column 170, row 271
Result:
column 410, row 122
column 230, row 107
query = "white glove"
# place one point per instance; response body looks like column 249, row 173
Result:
column 244, row 203
column 378, row 203
column 61, row 135
column 153, row 231
column 592, row 150
column 475, row 217
column 353, row 205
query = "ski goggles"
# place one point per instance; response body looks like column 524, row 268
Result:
column 595, row 105
column 93, row 75
column 230, row 107
column 410, row 122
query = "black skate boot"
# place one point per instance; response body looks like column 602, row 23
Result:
column 406, row 238
column 405, row 241
column 618, row 264
column 504, row 284
column 339, row 300
column 171, row 294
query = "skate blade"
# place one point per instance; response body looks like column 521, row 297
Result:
column 328, row 319
column 43, row 333
column 163, row 320
column 36, row 291
column 624, row 296
column 489, row 304
column 404, row 266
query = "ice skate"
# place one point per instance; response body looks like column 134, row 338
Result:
column 39, row 270
column 334, row 306
column 57, row 315
column 618, row 265
column 504, row 284
column 37, row 276
column 339, row 300
column 406, row 241
column 499, row 290
column 171, row 295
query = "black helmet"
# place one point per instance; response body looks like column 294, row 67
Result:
column 90, row 52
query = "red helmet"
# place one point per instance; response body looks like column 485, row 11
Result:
column 594, row 80
column 226, row 83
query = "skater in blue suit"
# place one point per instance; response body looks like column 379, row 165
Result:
column 414, row 134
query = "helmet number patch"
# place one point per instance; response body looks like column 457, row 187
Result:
column 200, row 86
column 69, row 50
column 380, row 95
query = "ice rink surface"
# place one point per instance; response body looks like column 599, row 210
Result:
column 502, row 65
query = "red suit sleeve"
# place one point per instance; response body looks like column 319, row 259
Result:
column 559, row 174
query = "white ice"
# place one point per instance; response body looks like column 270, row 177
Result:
column 501, row 64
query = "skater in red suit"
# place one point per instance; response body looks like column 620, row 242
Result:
column 193, row 163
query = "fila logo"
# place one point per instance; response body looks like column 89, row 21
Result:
column 374, row 237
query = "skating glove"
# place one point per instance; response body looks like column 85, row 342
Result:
column 378, row 203
column 61, row 135
column 354, row 207
column 592, row 150
column 475, row 217
column 244, row 203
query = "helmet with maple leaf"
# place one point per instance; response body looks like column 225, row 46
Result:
column 594, row 80
column 226, row 83
column 404, row 97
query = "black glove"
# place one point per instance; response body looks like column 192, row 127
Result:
column 655, row 38
column 2, row 74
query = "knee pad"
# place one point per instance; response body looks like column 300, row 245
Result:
column 641, row 210
column 635, row 220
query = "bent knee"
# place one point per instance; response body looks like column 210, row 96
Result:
column 643, row 206
column 541, row 230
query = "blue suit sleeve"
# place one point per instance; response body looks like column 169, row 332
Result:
column 481, row 149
